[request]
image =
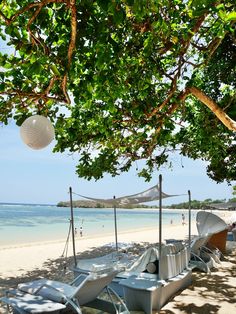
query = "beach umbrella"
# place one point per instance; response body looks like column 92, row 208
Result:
column 37, row 132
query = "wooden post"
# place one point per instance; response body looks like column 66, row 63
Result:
column 115, row 222
column 160, row 222
column 189, row 218
column 72, row 226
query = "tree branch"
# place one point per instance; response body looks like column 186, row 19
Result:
column 71, row 47
column 28, row 7
column 39, row 5
column 50, row 86
column 219, row 112
column 73, row 31
column 185, row 44
column 33, row 95
column 64, row 88
column 201, row 96
column 7, row 21
column 212, row 47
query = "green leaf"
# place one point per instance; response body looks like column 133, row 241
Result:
column 133, row 63
column 231, row 16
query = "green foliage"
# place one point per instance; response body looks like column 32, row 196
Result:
column 115, row 92
column 93, row 204
column 195, row 204
column 234, row 190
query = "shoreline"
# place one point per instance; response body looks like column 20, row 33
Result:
column 18, row 260
column 54, row 236
column 14, row 235
column 78, row 238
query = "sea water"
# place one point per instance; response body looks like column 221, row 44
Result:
column 20, row 224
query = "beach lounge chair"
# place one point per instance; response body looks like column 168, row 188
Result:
column 145, row 283
column 23, row 303
column 118, row 260
column 208, row 246
column 151, row 291
column 211, row 224
column 83, row 291
column 200, row 256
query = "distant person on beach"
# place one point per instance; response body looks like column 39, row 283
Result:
column 81, row 231
column 183, row 219
column 75, row 231
column 231, row 227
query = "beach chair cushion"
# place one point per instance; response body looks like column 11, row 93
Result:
column 175, row 258
column 85, row 288
column 32, row 304
column 55, row 292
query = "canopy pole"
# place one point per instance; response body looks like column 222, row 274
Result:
column 115, row 222
column 72, row 226
column 160, row 222
column 189, row 218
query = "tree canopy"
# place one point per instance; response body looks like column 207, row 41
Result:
column 125, row 80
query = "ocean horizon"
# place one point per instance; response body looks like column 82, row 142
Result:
column 26, row 223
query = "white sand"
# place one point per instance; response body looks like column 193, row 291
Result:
column 17, row 260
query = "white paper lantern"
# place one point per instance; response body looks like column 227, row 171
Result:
column 37, row 132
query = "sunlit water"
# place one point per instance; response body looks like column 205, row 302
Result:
column 34, row 223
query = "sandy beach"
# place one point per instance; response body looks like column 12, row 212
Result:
column 17, row 260
column 31, row 261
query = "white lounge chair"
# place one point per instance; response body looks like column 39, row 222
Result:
column 150, row 291
column 83, row 291
column 210, row 224
column 203, row 257
column 117, row 260
column 143, row 287
column 24, row 303
column 208, row 246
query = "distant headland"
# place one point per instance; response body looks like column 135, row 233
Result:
column 184, row 205
column 93, row 204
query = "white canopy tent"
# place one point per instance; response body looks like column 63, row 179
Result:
column 151, row 194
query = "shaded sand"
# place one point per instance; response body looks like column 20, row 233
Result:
column 215, row 293
column 209, row 293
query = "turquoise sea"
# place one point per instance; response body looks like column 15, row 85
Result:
column 21, row 224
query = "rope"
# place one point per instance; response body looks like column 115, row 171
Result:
column 65, row 251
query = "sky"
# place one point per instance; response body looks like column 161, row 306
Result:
column 44, row 177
